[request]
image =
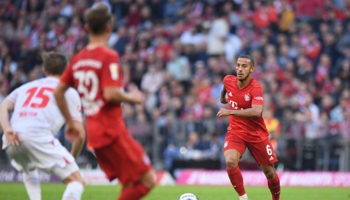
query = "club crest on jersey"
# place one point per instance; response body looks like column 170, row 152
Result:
column 246, row 97
column 230, row 94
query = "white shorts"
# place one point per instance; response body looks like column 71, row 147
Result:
column 50, row 157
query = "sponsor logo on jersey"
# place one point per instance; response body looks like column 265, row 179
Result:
column 230, row 94
column 233, row 104
column 259, row 98
column 225, row 144
column 246, row 97
column 271, row 158
column 28, row 114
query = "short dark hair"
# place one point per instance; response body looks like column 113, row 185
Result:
column 252, row 63
column 97, row 18
column 54, row 62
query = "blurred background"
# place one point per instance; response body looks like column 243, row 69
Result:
column 178, row 51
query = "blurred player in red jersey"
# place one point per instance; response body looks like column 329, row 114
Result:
column 96, row 73
column 247, row 128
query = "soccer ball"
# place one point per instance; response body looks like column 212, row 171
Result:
column 188, row 196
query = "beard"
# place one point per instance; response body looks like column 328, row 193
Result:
column 242, row 79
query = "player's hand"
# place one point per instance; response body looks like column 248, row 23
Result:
column 12, row 137
column 223, row 100
column 223, row 112
column 136, row 94
column 72, row 131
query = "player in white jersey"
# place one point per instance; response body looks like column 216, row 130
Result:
column 29, row 138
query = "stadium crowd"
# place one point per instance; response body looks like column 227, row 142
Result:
column 178, row 51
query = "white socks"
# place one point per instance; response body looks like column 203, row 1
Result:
column 32, row 183
column 73, row 191
column 243, row 197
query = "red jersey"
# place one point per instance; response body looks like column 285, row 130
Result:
column 90, row 71
column 249, row 129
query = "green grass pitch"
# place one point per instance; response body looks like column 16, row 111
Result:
column 16, row 191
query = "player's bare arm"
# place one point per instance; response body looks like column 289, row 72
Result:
column 223, row 98
column 6, row 108
column 253, row 112
column 61, row 101
column 72, row 130
column 116, row 95
column 78, row 142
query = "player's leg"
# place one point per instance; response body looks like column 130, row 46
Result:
column 148, row 180
column 62, row 164
column 75, row 186
column 32, row 184
column 142, row 184
column 70, row 175
column 266, row 157
column 126, row 160
column 272, row 180
column 234, row 147
column 134, row 191
column 22, row 162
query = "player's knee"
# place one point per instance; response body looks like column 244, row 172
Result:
column 269, row 173
column 231, row 163
column 151, row 183
column 75, row 177
column 231, row 158
column 149, row 179
column 70, row 180
column 82, row 181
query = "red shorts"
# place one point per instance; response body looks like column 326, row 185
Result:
column 262, row 151
column 124, row 159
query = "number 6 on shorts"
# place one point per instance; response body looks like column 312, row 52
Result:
column 268, row 150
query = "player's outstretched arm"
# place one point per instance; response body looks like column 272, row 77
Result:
column 223, row 98
column 116, row 95
column 7, row 107
column 253, row 112
column 78, row 142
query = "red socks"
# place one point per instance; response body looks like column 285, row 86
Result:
column 236, row 179
column 133, row 193
column 274, row 186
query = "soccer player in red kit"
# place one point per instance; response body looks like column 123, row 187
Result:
column 247, row 127
column 96, row 73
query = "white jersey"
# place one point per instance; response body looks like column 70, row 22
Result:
column 36, row 115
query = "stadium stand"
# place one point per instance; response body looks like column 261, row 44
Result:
column 178, row 52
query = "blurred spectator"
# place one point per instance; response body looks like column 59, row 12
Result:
column 217, row 35
column 178, row 66
column 338, row 113
column 122, row 40
column 152, row 80
column 287, row 17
